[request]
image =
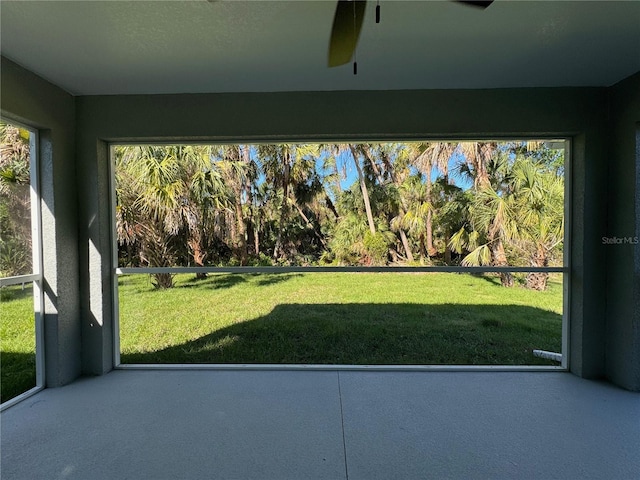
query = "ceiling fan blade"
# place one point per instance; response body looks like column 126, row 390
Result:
column 347, row 23
column 476, row 3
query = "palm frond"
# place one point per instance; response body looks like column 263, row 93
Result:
column 478, row 257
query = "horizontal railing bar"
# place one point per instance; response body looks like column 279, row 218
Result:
column 339, row 367
column 19, row 279
column 171, row 270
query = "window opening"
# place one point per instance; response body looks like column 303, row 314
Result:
column 20, row 265
column 220, row 228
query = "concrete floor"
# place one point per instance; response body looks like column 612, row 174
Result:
column 203, row 424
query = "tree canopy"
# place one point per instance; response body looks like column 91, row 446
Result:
column 411, row 203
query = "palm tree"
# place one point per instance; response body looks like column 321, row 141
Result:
column 396, row 161
column 525, row 213
column 493, row 215
column 140, row 216
column 250, row 171
column 426, row 157
column 284, row 167
column 162, row 191
column 204, row 193
column 491, row 226
column 346, row 244
column 450, row 205
column 539, row 208
column 478, row 156
column 239, row 171
column 358, row 150
column 415, row 212
column 375, row 163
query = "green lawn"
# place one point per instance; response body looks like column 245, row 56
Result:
column 338, row 318
column 17, row 341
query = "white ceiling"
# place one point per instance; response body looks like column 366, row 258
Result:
column 127, row 47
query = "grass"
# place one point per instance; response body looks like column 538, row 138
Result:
column 17, row 341
column 338, row 318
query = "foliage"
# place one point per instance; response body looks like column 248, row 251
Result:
column 376, row 248
column 15, row 202
column 163, row 193
column 521, row 207
column 475, row 203
column 346, row 244
column 15, row 258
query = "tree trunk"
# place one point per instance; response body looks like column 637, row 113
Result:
column 283, row 206
column 405, row 244
column 162, row 281
column 310, row 225
column 401, row 212
column 198, row 253
column 256, row 239
column 250, row 223
column 374, row 166
column 498, row 255
column 431, row 251
column 155, row 251
column 538, row 280
column 365, row 193
column 447, row 250
column 500, row 260
column 338, row 178
column 331, row 206
column 278, row 245
column 423, row 250
column 241, row 239
column 482, row 152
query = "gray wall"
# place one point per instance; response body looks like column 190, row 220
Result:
column 29, row 99
column 623, row 260
column 578, row 113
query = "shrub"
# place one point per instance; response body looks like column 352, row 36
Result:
column 376, row 248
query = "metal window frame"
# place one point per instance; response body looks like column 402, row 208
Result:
column 115, row 301
column 566, row 253
column 120, row 271
column 37, row 264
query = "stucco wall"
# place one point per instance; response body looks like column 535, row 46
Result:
column 623, row 259
column 29, row 99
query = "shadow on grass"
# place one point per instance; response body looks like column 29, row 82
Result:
column 493, row 279
column 376, row 334
column 18, row 374
column 214, row 282
column 222, row 281
column 16, row 292
column 274, row 279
